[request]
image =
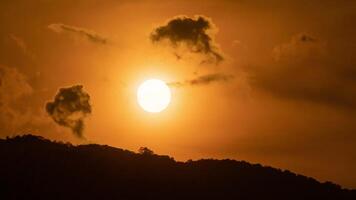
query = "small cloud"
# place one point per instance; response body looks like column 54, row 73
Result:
column 301, row 46
column 22, row 45
column 70, row 107
column 303, row 37
column 195, row 33
column 236, row 43
column 203, row 80
column 78, row 31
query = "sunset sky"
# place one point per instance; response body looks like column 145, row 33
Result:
column 271, row 82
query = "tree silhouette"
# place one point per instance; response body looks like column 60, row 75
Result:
column 145, row 151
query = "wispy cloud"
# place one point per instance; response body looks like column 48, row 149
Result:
column 90, row 35
column 203, row 80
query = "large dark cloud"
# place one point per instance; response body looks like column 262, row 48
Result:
column 70, row 107
column 203, row 80
column 78, row 31
column 196, row 33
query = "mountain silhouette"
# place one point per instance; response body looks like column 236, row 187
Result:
column 36, row 168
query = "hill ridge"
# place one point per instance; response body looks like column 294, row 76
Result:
column 38, row 168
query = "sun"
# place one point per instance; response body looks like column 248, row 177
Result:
column 153, row 95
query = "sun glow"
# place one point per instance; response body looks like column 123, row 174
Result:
column 153, row 95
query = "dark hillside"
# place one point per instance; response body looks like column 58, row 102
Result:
column 35, row 168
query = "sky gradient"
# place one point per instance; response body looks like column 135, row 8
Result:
column 268, row 82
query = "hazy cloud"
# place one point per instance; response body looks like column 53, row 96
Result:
column 301, row 46
column 196, row 33
column 19, row 42
column 306, row 69
column 236, row 43
column 203, row 80
column 70, row 107
column 13, row 84
column 78, row 31
column 13, row 87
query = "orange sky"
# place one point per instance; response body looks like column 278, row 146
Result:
column 290, row 105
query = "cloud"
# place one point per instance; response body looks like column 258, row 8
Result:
column 20, row 43
column 13, row 84
column 203, row 80
column 70, row 107
column 13, row 87
column 195, row 33
column 81, row 32
column 236, row 43
column 307, row 69
column 302, row 46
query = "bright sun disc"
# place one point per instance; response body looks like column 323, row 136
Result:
column 153, row 95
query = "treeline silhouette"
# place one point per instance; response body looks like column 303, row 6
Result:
column 35, row 168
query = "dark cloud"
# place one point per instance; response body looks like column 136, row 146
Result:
column 196, row 33
column 203, row 80
column 303, row 37
column 70, row 107
column 87, row 34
